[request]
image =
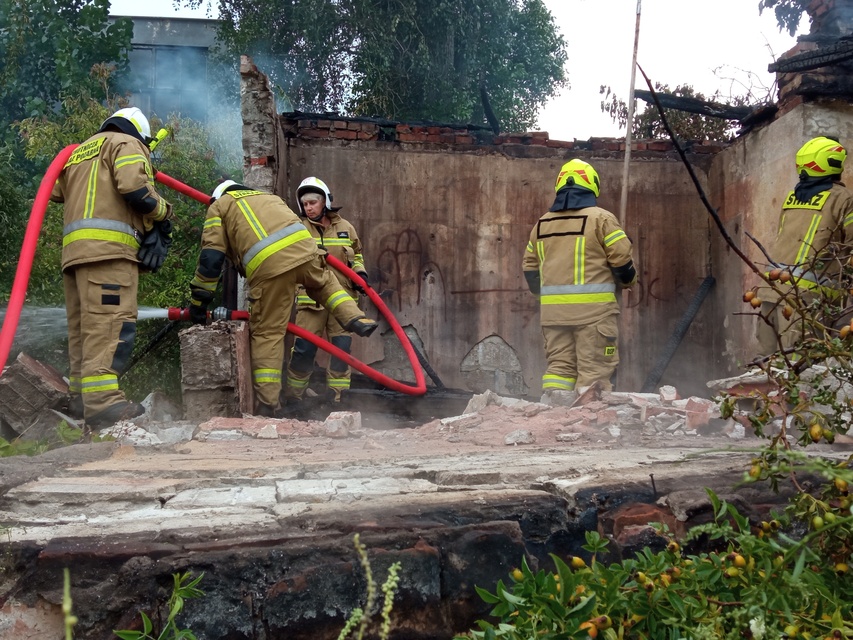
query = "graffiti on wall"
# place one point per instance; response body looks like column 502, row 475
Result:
column 407, row 274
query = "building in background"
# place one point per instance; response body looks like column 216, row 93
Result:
column 169, row 65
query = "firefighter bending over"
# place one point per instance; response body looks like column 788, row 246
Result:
column 274, row 251
column 339, row 238
column 576, row 257
column 115, row 223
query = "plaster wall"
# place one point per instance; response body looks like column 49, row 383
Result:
column 750, row 180
column 445, row 227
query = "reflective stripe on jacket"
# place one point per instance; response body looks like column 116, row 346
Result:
column 340, row 240
column 574, row 252
column 99, row 224
column 806, row 229
column 258, row 233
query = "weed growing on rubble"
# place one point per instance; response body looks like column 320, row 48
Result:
column 65, row 435
column 69, row 619
column 360, row 619
column 184, row 588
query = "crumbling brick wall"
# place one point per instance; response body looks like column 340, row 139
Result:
column 444, row 212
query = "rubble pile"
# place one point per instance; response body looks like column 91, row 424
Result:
column 592, row 415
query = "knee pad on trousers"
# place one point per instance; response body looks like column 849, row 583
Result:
column 126, row 338
column 344, row 343
column 302, row 357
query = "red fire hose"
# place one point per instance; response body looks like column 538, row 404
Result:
column 180, row 187
column 419, row 387
column 28, row 249
column 28, row 252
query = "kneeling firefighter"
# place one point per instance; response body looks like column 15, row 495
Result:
column 338, row 238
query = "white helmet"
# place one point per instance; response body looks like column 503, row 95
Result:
column 131, row 121
column 314, row 185
column 218, row 191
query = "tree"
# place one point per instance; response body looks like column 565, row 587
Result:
column 688, row 126
column 48, row 49
column 788, row 12
column 445, row 60
column 50, row 46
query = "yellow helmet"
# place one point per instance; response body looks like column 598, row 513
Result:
column 581, row 174
column 821, row 157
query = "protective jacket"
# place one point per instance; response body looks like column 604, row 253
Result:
column 807, row 228
column 340, row 240
column 258, row 233
column 110, row 200
column 570, row 262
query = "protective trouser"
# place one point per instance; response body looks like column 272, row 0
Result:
column 581, row 355
column 270, row 305
column 302, row 356
column 100, row 304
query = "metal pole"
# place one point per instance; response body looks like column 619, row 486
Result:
column 623, row 204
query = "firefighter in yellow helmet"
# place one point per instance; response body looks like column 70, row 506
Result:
column 814, row 239
column 576, row 258
column 115, row 224
column 274, row 251
column 338, row 238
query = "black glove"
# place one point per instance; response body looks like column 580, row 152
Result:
column 198, row 305
column 357, row 287
column 155, row 246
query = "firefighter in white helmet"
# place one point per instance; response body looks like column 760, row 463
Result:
column 814, row 239
column 576, row 258
column 274, row 251
column 338, row 238
column 115, row 224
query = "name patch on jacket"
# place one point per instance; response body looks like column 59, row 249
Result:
column 243, row 193
column 343, row 234
column 85, row 152
column 561, row 226
column 816, row 202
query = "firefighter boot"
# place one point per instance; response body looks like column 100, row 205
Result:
column 123, row 410
column 362, row 326
column 75, row 406
column 265, row 411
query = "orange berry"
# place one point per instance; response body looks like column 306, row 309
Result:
column 749, row 295
column 755, row 302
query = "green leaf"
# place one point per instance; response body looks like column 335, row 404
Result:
column 508, row 597
column 147, row 627
column 677, row 603
column 798, row 568
column 583, row 608
column 486, row 596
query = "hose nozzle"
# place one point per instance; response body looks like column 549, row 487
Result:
column 176, row 314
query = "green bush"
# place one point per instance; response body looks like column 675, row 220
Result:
column 759, row 581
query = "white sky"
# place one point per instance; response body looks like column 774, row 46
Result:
column 681, row 42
